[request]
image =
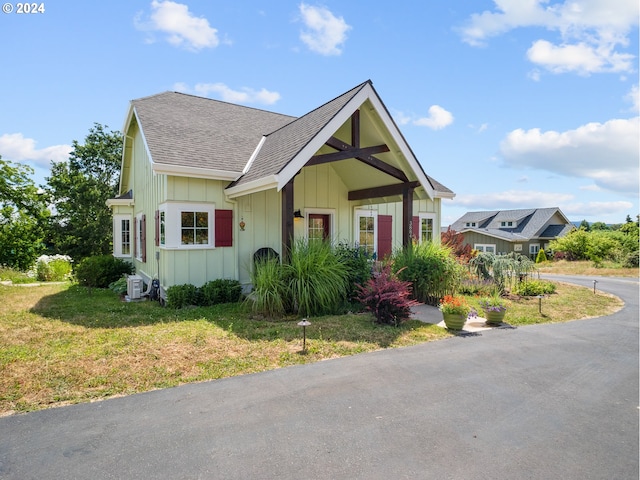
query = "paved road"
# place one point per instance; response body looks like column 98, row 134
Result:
column 539, row 402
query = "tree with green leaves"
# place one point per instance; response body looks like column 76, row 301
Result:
column 23, row 216
column 584, row 225
column 79, row 188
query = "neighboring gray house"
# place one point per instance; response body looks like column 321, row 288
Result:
column 524, row 231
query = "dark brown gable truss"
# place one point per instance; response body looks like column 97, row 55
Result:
column 365, row 155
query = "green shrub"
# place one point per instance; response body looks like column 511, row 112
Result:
column 119, row 286
column 221, row 290
column 56, row 268
column 476, row 287
column 532, row 288
column 269, row 288
column 632, row 260
column 101, row 270
column 573, row 244
column 15, row 276
column 315, row 279
column 541, row 257
column 359, row 263
column 432, row 270
column 179, row 296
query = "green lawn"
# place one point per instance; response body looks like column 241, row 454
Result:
column 60, row 344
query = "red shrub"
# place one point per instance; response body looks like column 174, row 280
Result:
column 387, row 297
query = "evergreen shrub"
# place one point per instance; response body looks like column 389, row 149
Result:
column 101, row 270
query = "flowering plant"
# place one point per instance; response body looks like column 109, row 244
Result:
column 493, row 304
column 454, row 304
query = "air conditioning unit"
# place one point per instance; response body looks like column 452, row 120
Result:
column 134, row 287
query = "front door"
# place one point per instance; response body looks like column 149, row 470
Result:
column 318, row 227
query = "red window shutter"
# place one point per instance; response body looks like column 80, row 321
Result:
column 157, row 228
column 143, row 237
column 385, row 235
column 415, row 221
column 224, row 228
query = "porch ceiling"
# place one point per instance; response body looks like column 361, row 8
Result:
column 357, row 175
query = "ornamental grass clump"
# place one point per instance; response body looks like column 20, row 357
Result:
column 454, row 305
column 432, row 270
column 316, row 280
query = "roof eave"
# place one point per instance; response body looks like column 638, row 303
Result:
column 197, row 172
column 259, row 185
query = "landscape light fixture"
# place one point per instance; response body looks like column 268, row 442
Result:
column 304, row 324
column 594, row 286
column 540, row 297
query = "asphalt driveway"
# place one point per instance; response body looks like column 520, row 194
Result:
column 539, row 402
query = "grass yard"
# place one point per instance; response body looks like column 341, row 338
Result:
column 60, row 344
column 585, row 267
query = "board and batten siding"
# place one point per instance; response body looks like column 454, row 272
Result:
column 171, row 265
column 502, row 246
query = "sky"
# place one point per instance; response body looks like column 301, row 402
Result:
column 509, row 103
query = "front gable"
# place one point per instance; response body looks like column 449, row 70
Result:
column 355, row 124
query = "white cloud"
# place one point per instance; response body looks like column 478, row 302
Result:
column 14, row 147
column 606, row 153
column 515, row 199
column 590, row 188
column 597, row 209
column 325, row 33
column 438, row 118
column 512, row 199
column 401, row 118
column 634, row 99
column 589, row 32
column 183, row 29
column 580, row 58
column 245, row 95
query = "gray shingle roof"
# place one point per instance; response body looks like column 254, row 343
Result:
column 282, row 145
column 190, row 131
column 529, row 223
column 186, row 130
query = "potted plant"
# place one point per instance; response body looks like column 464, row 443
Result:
column 494, row 309
column 455, row 310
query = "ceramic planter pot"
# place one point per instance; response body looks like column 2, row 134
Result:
column 494, row 318
column 454, row 321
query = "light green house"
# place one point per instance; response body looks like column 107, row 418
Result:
column 206, row 184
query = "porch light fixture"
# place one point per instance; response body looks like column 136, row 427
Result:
column 297, row 214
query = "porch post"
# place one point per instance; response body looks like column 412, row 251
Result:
column 287, row 219
column 407, row 216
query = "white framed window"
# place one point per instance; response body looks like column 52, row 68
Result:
column 427, row 222
column 509, row 224
column 485, row 247
column 139, row 236
column 162, row 227
column 185, row 225
column 366, row 229
column 470, row 224
column 534, row 248
column 517, row 247
column 122, row 236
